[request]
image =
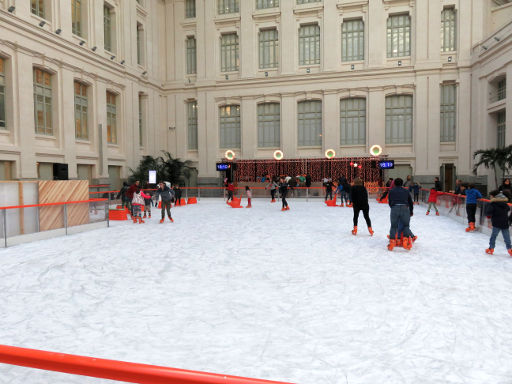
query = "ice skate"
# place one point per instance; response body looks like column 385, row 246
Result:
column 144, row 215
column 391, row 245
column 471, row 227
column 428, row 213
column 354, row 231
column 134, row 219
column 407, row 243
column 287, row 208
column 371, row 231
column 509, row 252
column 341, row 205
column 162, row 220
column 141, row 221
column 414, row 238
column 170, row 218
column 437, row 213
column 273, row 201
column 490, row 251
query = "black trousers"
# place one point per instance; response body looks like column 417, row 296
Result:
column 283, row 199
column 230, row 195
column 273, row 194
column 328, row 193
column 166, row 206
column 471, row 211
column 366, row 215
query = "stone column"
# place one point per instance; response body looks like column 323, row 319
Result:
column 247, row 40
column 287, row 41
column 67, row 119
column 249, row 128
column 289, row 125
column 331, row 122
column 331, row 36
column 377, row 32
column 376, row 119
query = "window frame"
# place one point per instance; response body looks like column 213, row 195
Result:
column 448, row 25
column 230, row 124
column 44, row 91
column 192, row 126
column 3, row 96
column 308, row 125
column 352, row 115
column 408, row 124
column 108, row 28
column 501, row 129
column 191, row 55
column 448, row 113
column 112, row 118
column 267, row 4
column 269, row 124
column 229, row 52
column 76, row 18
column 306, row 42
column 268, row 48
column 228, row 7
column 81, row 107
column 190, row 9
column 398, row 31
column 352, row 38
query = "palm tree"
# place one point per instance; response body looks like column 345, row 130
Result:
column 167, row 168
column 495, row 159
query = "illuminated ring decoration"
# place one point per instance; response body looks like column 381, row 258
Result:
column 376, row 150
column 330, row 153
column 230, row 155
column 278, row 155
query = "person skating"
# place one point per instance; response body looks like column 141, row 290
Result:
column 283, row 191
column 166, row 195
column 137, row 204
column 360, row 203
column 129, row 194
column 400, row 201
column 272, row 185
column 498, row 211
column 147, row 205
column 231, row 190
column 415, row 188
column 177, row 194
column 506, row 189
column 248, row 192
column 432, row 198
column 125, row 201
column 328, row 189
column 472, row 196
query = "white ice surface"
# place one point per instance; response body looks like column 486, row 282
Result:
column 256, row 292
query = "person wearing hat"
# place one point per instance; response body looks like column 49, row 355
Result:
column 166, row 194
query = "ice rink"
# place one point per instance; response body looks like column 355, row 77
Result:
column 260, row 293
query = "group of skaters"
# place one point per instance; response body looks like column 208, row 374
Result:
column 138, row 200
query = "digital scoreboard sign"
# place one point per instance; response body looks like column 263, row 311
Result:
column 223, row 166
column 387, row 164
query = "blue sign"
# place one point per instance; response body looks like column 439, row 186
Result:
column 387, row 164
column 223, row 166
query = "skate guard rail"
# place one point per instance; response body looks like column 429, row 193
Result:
column 52, row 204
column 113, row 369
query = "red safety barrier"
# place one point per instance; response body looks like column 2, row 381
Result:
column 52, row 204
column 113, row 369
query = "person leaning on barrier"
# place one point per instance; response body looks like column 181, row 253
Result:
column 402, row 207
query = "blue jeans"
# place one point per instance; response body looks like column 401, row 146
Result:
column 400, row 214
column 494, row 235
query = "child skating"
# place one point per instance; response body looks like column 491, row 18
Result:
column 283, row 190
column 432, row 200
column 248, row 192
column 147, row 206
column 498, row 211
column 166, row 195
column 272, row 185
column 137, row 204
column 472, row 196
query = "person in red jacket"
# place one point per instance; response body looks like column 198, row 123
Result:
column 231, row 191
column 129, row 194
column 432, row 198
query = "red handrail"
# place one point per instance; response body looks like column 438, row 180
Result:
column 52, row 204
column 113, row 369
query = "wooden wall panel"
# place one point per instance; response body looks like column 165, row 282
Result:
column 61, row 191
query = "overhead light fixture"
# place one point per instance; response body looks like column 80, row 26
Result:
column 308, row 70
column 497, row 38
column 82, row 42
column 144, row 73
column 122, row 62
column 399, row 63
column 226, row 77
column 58, row 31
column 94, row 48
column 42, row 23
column 352, row 67
column 266, row 74
column 112, row 57
column 449, row 59
column 11, row 9
column 484, row 47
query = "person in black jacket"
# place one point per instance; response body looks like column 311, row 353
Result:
column 400, row 201
column 167, row 196
column 328, row 189
column 498, row 211
column 308, row 181
column 506, row 189
column 125, row 202
column 360, row 203
column 283, row 190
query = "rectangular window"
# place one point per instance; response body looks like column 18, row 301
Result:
column 140, row 44
column 269, row 48
column 81, row 107
column 107, row 28
column 111, row 118
column 37, row 8
column 192, row 125
column 448, row 30
column 229, row 52
column 141, row 121
column 502, row 89
column 263, row 4
column 501, row 128
column 448, row 112
column 353, row 121
column 43, row 102
column 190, row 9
column 308, row 1
column 191, row 55
column 229, row 123
column 228, row 6
column 309, row 120
column 399, row 35
column 352, row 40
column 309, row 44
column 399, row 119
column 3, row 124
column 76, row 17
column 269, row 125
